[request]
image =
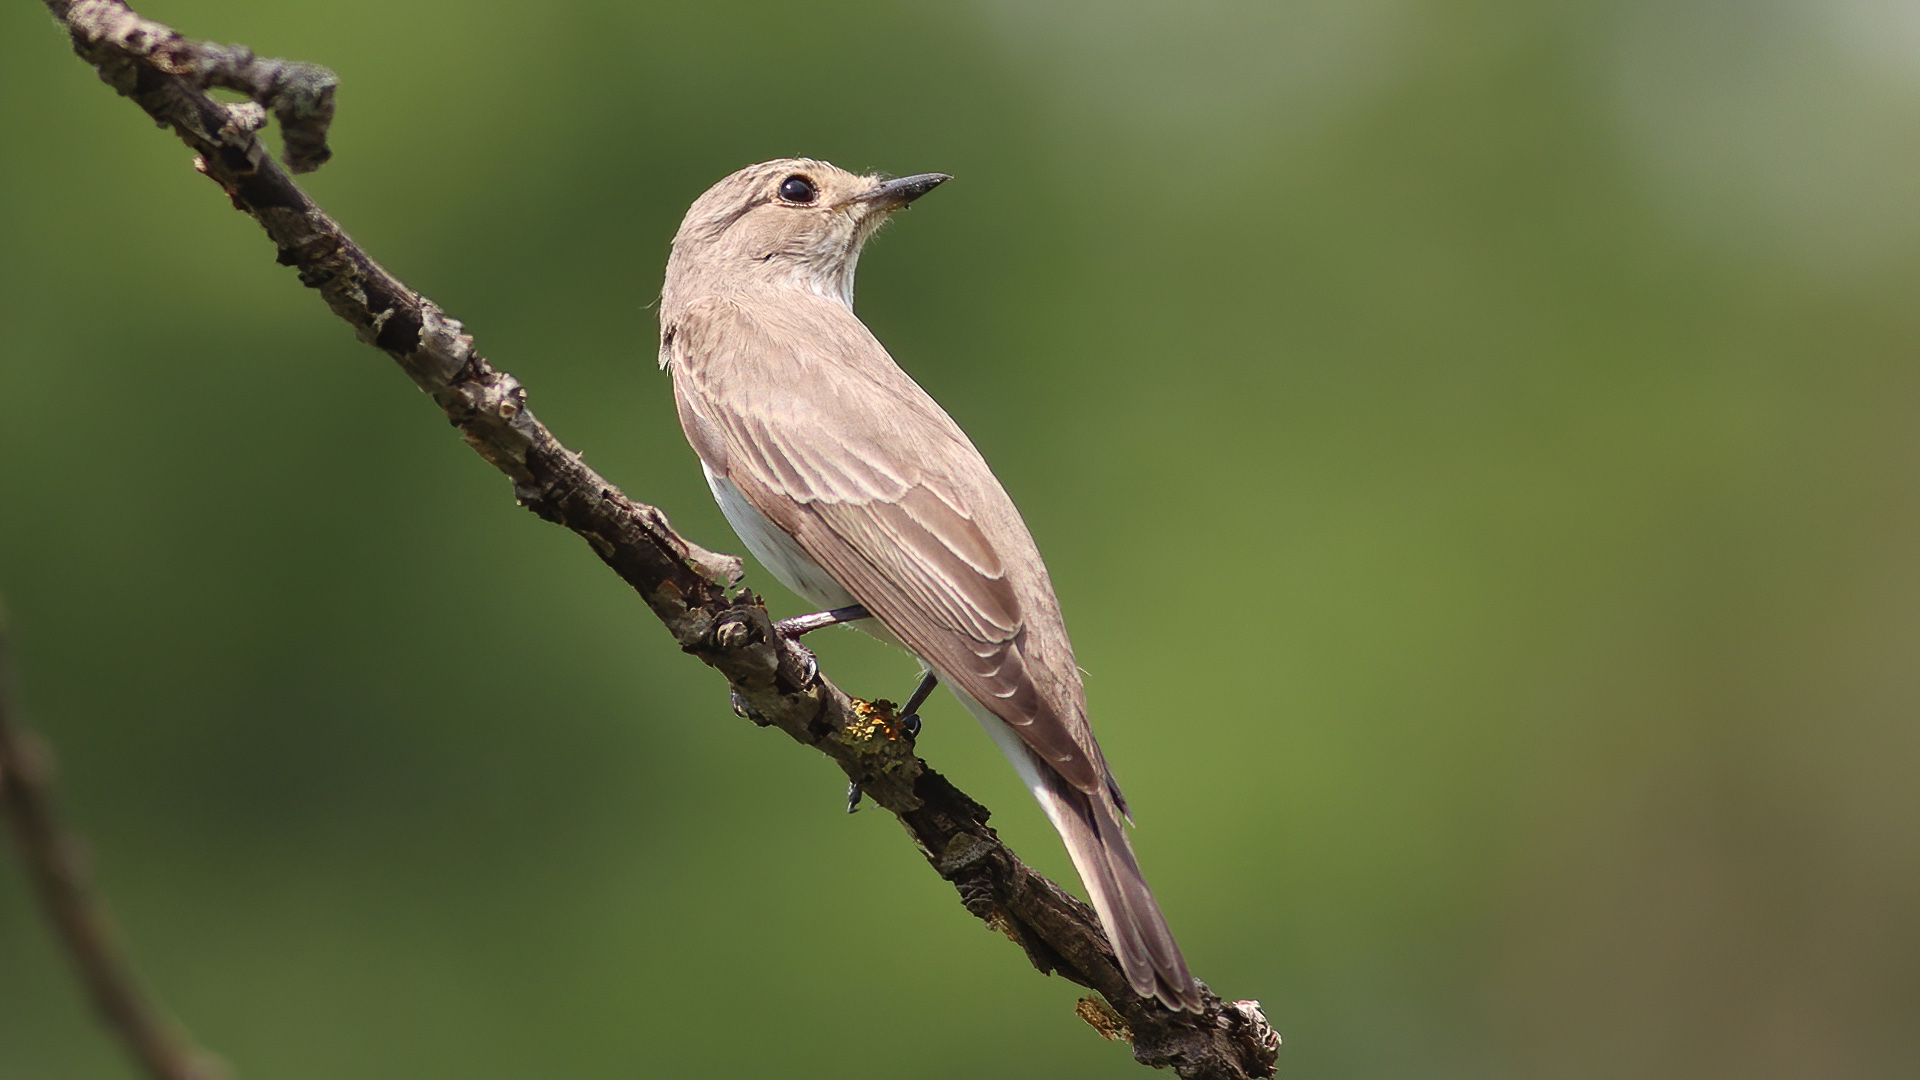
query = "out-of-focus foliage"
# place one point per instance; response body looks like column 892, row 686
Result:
column 1477, row 446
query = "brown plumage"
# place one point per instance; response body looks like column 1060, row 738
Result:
column 853, row 486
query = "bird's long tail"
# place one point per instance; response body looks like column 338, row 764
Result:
column 1091, row 828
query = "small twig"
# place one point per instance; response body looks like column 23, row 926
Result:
column 299, row 95
column 56, row 861
column 774, row 680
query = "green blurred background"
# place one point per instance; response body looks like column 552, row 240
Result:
column 1475, row 444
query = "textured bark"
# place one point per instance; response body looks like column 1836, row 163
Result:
column 775, row 682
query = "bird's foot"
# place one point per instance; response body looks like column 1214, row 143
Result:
column 790, row 630
column 909, row 717
column 809, row 665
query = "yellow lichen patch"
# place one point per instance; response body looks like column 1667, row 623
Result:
column 871, row 720
column 884, row 753
column 1100, row 1017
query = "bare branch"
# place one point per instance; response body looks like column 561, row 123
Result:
column 774, row 681
column 56, row 861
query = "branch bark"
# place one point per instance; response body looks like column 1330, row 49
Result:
column 56, row 862
column 774, row 682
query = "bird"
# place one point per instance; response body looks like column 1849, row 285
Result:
column 855, row 489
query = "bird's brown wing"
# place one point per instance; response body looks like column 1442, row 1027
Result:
column 806, row 414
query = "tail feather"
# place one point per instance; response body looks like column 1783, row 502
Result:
column 1090, row 826
column 1097, row 842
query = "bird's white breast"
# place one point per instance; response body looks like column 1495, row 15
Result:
column 774, row 548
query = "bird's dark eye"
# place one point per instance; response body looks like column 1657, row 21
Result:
column 797, row 189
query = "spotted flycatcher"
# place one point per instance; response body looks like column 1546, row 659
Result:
column 859, row 493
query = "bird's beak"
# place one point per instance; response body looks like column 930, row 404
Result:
column 895, row 194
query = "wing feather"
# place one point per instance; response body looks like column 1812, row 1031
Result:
column 825, row 436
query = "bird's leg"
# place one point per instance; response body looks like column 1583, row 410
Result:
column 791, row 629
column 909, row 718
column 807, row 624
column 910, row 712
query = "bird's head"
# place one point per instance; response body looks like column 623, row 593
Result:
column 792, row 223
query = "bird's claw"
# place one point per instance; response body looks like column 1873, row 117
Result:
column 809, row 665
